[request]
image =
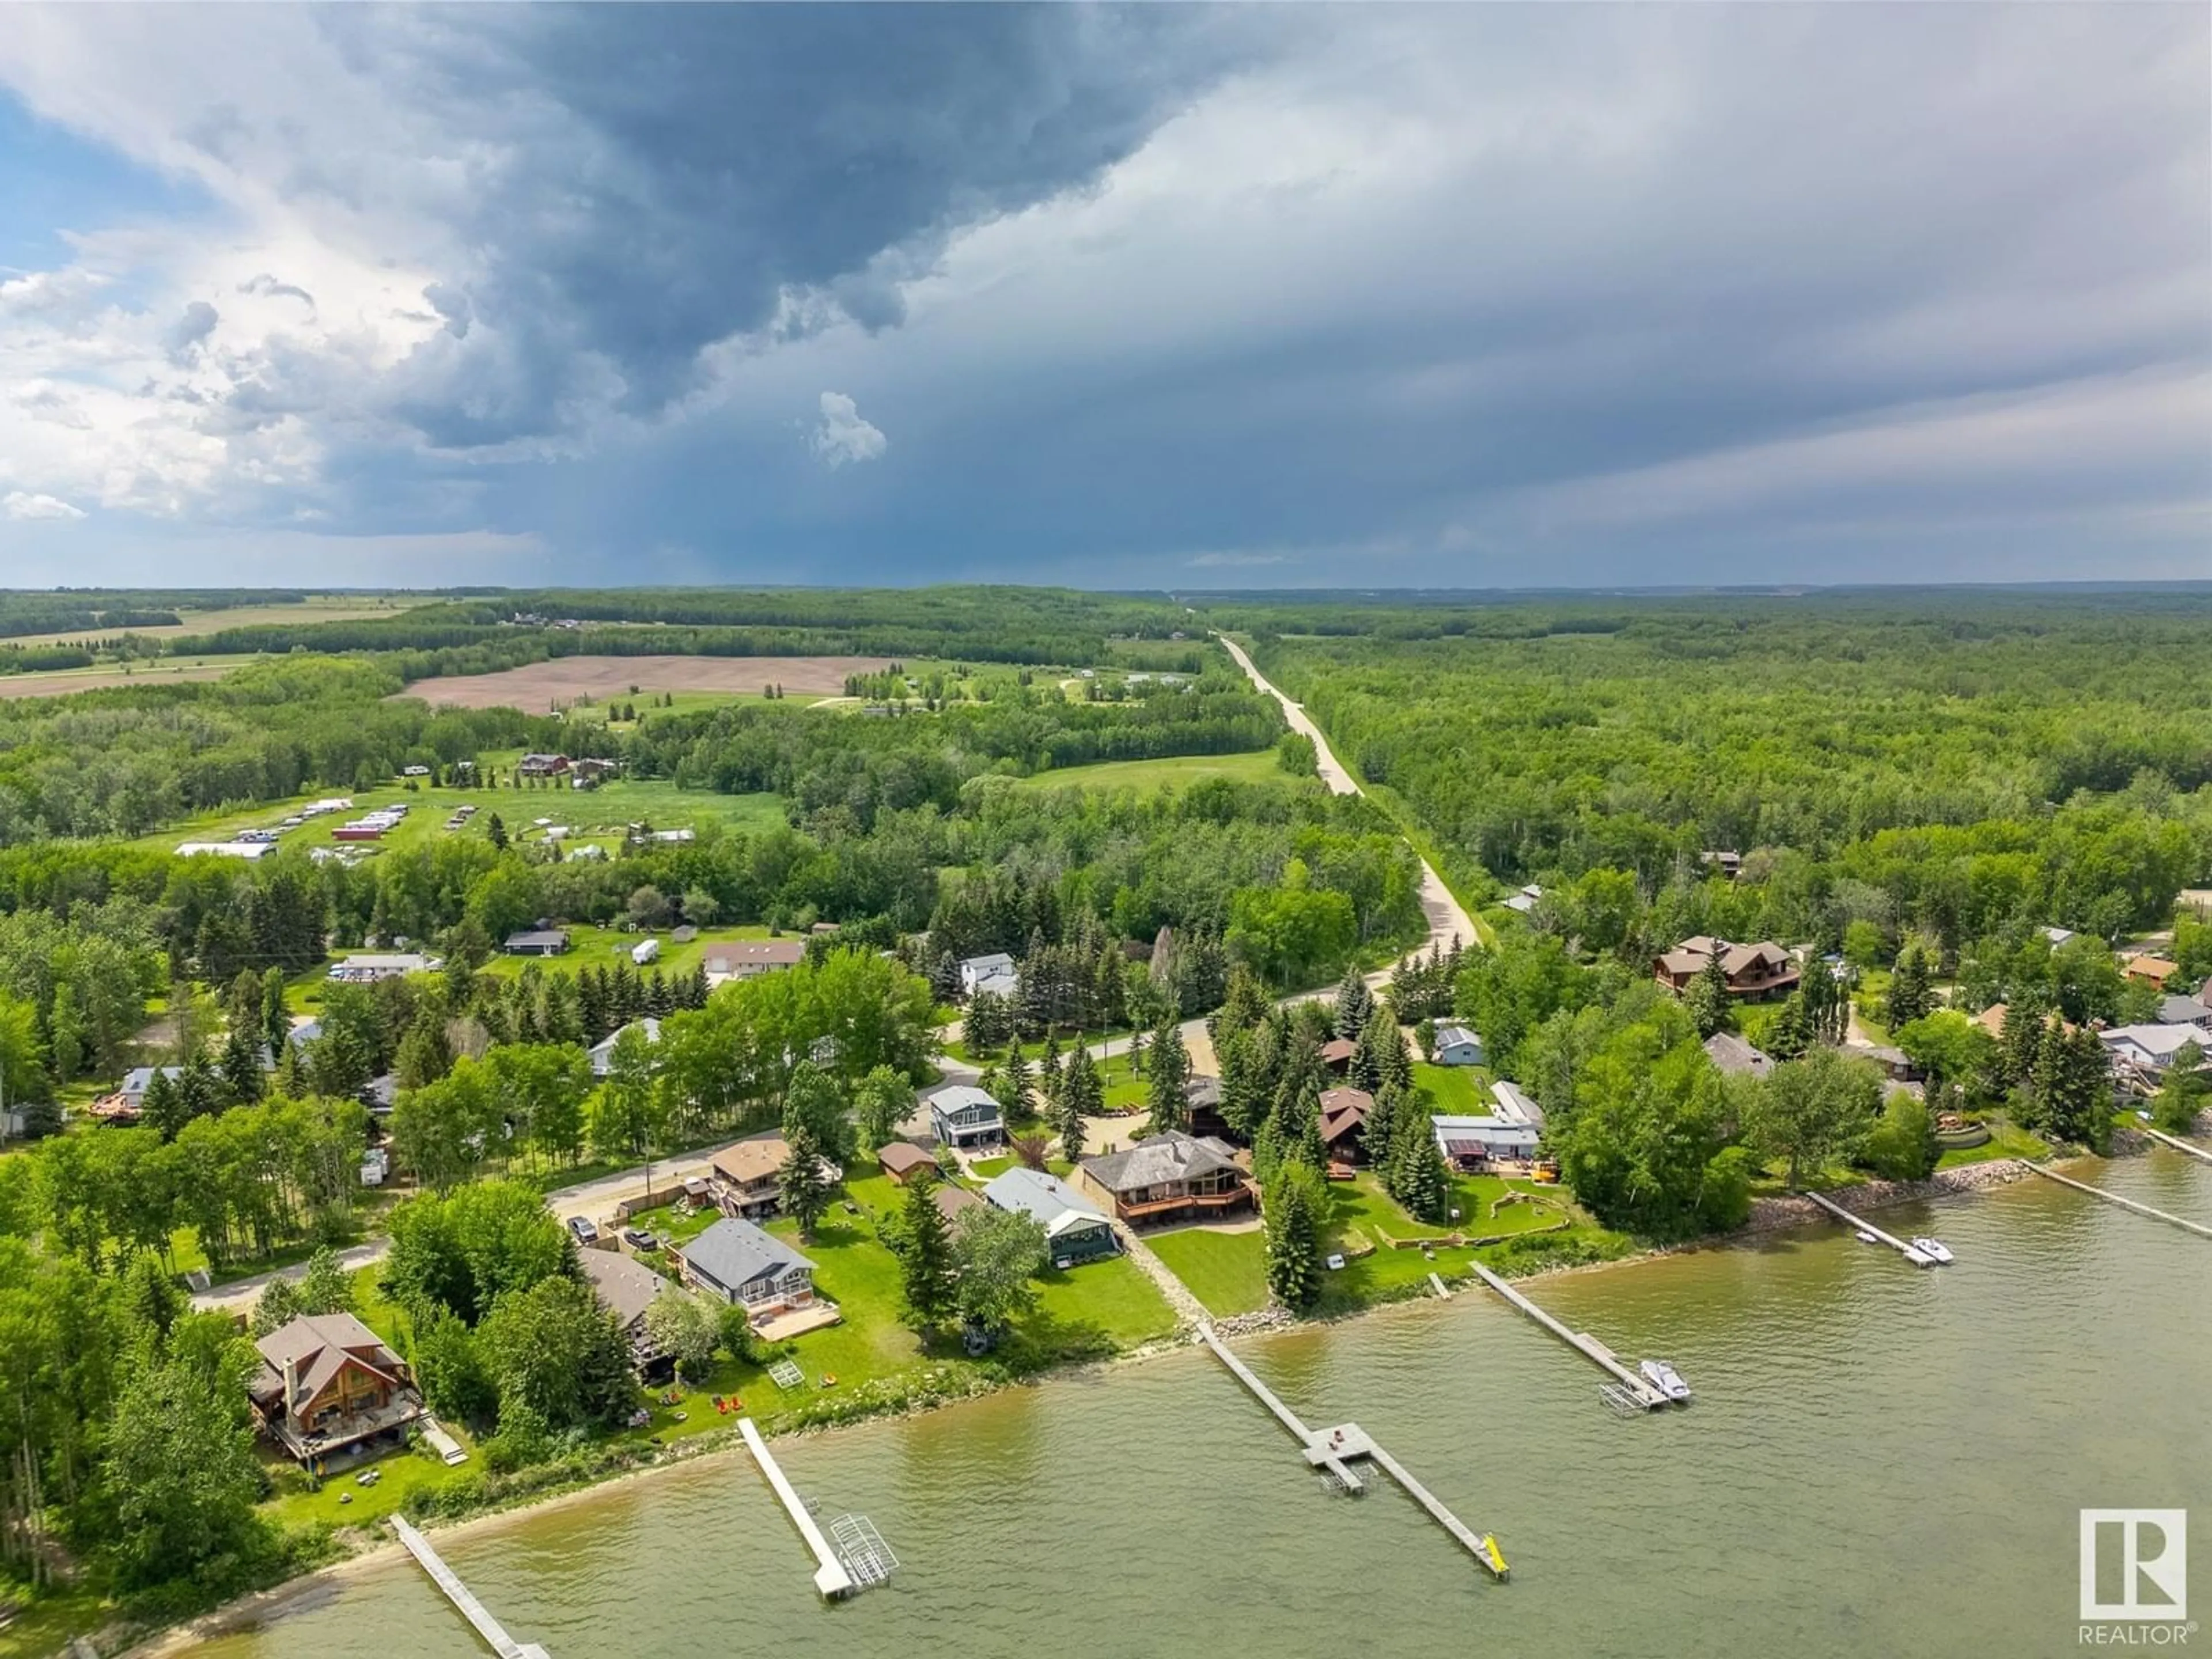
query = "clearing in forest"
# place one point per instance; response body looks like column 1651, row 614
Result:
column 538, row 687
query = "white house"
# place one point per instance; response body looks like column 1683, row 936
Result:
column 603, row 1052
column 1457, row 1045
column 2149, row 1047
column 993, row 973
column 1525, row 901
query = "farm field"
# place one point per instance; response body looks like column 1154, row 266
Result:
column 538, row 686
column 317, row 608
column 1177, row 771
column 61, row 682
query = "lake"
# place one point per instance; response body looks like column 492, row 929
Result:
column 1881, row 1460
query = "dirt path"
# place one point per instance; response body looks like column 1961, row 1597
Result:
column 1448, row 923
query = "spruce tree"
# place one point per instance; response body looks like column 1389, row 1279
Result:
column 1167, row 1081
column 241, row 1063
column 1353, row 1005
column 925, row 1257
column 803, row 1186
column 1292, row 1220
column 1706, row 1001
column 1082, row 1095
column 1910, row 995
column 163, row 1105
column 1424, row 1180
column 1019, row 1100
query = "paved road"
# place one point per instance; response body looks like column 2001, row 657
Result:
column 1448, row 920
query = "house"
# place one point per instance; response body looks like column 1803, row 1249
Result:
column 1727, row 864
column 1344, row 1114
column 1525, row 901
column 1755, row 972
column 2153, row 971
column 736, row 1261
column 381, row 1094
column 367, row 970
column 327, row 1385
column 536, row 942
column 1992, row 1019
column 2184, row 1010
column 2148, row 1050
column 747, row 958
column 586, row 774
column 1732, row 1053
column 644, row 951
column 1169, row 1177
column 901, row 1158
column 542, row 766
column 128, row 1100
column 1336, row 1053
column 1895, row 1063
column 1075, row 1229
column 602, row 1051
column 951, row 1200
column 1458, row 1045
column 963, row 1116
column 994, row 973
column 1515, row 1107
column 626, row 1287
column 1476, row 1143
column 744, row 1178
column 2058, row 936
column 1203, row 1092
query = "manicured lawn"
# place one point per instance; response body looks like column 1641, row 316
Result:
column 1227, row 1271
column 2007, row 1139
column 1124, row 1087
column 1363, row 1203
column 985, row 1168
column 1101, row 1305
column 404, row 1475
column 1178, row 771
column 1455, row 1090
column 1033, row 1051
column 609, row 947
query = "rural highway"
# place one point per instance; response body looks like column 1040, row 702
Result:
column 1448, row 922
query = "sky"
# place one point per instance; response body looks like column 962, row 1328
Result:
column 1160, row 297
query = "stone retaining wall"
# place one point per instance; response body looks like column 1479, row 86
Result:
column 1769, row 1213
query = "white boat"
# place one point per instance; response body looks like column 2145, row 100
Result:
column 1933, row 1249
column 1866, row 1237
column 1665, row 1378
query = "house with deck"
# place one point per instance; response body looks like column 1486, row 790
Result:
column 1169, row 1177
column 745, row 1180
column 1075, row 1229
column 328, row 1387
column 1756, row 973
column 1344, row 1113
column 961, row 1115
column 736, row 1262
column 626, row 1288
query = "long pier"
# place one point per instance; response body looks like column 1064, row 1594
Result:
column 831, row 1577
column 462, row 1597
column 2196, row 1227
column 1582, row 1342
column 1918, row 1257
column 1335, row 1450
column 2176, row 1142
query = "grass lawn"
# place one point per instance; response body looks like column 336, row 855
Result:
column 1456, row 1091
column 45, row 1628
column 1032, row 1051
column 2007, row 1139
column 1124, row 1087
column 1100, row 1305
column 1227, row 1271
column 1178, row 771
column 985, row 1168
column 592, row 946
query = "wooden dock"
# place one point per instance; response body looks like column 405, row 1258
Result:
column 831, row 1577
column 1335, row 1450
column 2176, row 1142
column 2196, row 1227
column 1643, row 1392
column 1918, row 1258
column 460, row 1595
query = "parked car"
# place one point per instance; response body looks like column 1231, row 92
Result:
column 640, row 1240
column 585, row 1229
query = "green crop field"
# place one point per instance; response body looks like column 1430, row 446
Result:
column 1178, row 772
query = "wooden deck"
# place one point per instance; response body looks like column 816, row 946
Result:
column 462, row 1597
column 2196, row 1227
column 1582, row 1342
column 831, row 1577
column 1918, row 1258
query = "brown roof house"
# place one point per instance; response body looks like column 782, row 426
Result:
column 744, row 1180
column 626, row 1287
column 1343, row 1117
column 749, row 958
column 901, row 1158
column 1174, row 1176
column 2150, row 970
column 328, row 1386
column 1755, row 972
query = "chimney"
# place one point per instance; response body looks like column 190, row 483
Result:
column 291, row 1388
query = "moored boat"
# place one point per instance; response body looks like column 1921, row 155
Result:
column 1665, row 1378
column 1934, row 1249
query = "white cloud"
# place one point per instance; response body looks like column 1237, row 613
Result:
column 23, row 504
column 1209, row 560
column 842, row 435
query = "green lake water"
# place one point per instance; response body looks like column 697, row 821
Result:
column 1882, row 1461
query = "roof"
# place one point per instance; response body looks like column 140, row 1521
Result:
column 733, row 1252
column 2161, row 1042
column 1515, row 1107
column 1047, row 1197
column 139, row 1078
column 1732, row 1053
column 625, row 1286
column 1691, row 956
column 318, row 1346
column 1160, row 1161
column 951, row 1200
column 2157, row 969
column 406, row 962
column 1992, row 1019
column 1337, row 1050
column 751, row 1162
column 1343, row 1110
column 903, row 1158
column 961, row 1097
column 755, row 953
column 1460, row 1136
column 983, row 964
column 536, row 935
column 602, row 1051
column 1452, row 1032
column 2181, row 1011
column 1204, row 1089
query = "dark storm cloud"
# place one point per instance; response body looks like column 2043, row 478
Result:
column 665, row 177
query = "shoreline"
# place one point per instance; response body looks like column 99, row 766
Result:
column 282, row 1600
